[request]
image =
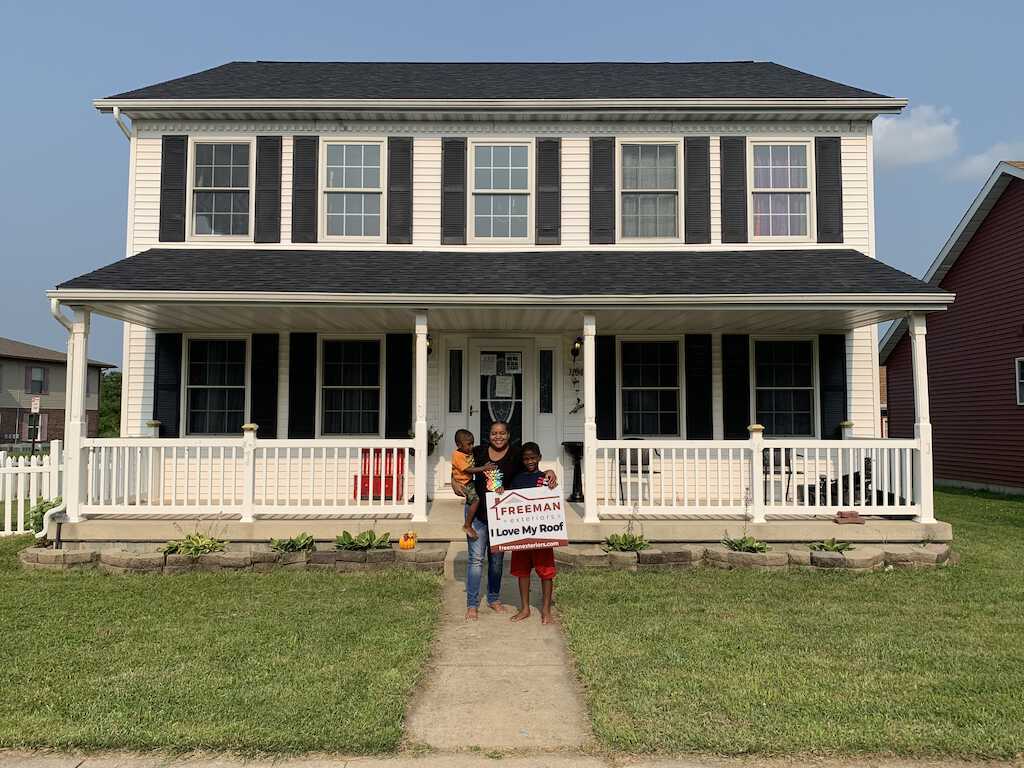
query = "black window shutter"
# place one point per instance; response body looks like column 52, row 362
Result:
column 398, row 378
column 263, row 384
column 697, row 184
column 699, row 410
column 828, row 189
column 400, row 190
column 453, row 191
column 733, row 159
column 607, row 374
column 736, row 386
column 167, row 384
column 173, row 163
column 602, row 191
column 268, row 190
column 832, row 377
column 305, row 150
column 549, row 191
column 302, row 385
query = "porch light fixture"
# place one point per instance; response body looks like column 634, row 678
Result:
column 577, row 347
column 430, row 345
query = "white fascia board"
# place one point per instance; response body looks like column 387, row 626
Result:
column 789, row 301
column 876, row 105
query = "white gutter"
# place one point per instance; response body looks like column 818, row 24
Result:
column 120, row 123
column 62, row 507
column 879, row 104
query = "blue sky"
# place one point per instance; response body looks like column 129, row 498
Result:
column 64, row 171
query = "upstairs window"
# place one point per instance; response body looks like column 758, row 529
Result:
column 781, row 190
column 36, row 380
column 501, row 190
column 650, row 389
column 215, row 394
column 220, row 189
column 1019, row 363
column 650, row 190
column 353, row 190
column 784, row 387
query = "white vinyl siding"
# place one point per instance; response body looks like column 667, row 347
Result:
column 575, row 192
column 426, row 191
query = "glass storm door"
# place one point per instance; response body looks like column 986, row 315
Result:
column 500, row 391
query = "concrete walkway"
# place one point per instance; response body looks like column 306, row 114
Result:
column 495, row 684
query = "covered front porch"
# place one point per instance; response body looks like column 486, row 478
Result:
column 573, row 376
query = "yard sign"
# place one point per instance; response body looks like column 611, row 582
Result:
column 526, row 518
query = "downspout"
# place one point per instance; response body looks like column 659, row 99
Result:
column 60, row 508
column 120, row 123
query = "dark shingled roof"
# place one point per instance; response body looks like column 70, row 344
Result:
column 11, row 348
column 583, row 273
column 480, row 80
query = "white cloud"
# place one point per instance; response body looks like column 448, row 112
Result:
column 923, row 134
column 979, row 166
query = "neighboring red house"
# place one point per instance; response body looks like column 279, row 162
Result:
column 975, row 348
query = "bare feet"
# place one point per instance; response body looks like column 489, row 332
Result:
column 524, row 613
column 471, row 614
column 497, row 607
column 546, row 618
column 470, row 532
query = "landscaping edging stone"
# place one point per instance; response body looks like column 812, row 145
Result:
column 428, row 557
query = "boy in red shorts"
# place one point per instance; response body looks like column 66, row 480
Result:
column 526, row 560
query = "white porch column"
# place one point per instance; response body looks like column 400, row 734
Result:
column 589, row 422
column 420, row 427
column 76, row 419
column 922, row 420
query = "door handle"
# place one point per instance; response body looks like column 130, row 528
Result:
column 471, row 410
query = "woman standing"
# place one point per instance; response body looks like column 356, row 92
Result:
column 501, row 462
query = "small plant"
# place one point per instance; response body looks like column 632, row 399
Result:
column 625, row 542
column 745, row 544
column 193, row 545
column 36, row 514
column 831, row 545
column 364, row 541
column 302, row 543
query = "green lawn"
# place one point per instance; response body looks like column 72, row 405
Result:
column 905, row 662
column 282, row 662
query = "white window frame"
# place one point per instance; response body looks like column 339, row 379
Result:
column 1018, row 375
column 619, row 190
column 32, row 379
column 815, row 390
column 323, row 190
column 183, row 417
column 382, row 387
column 472, row 191
column 681, row 388
column 811, row 236
column 190, row 227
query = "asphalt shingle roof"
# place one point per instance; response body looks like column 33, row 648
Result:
column 483, row 80
column 19, row 350
column 584, row 273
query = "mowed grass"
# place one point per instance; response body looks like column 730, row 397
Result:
column 914, row 663
column 252, row 663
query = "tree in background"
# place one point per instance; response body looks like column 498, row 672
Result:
column 110, row 404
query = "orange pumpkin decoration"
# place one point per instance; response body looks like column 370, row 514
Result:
column 408, row 540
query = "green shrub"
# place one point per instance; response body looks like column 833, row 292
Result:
column 364, row 541
column 831, row 545
column 35, row 515
column 193, row 545
column 745, row 544
column 301, row 543
column 625, row 542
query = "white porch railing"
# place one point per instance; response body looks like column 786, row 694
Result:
column 756, row 478
column 24, row 482
column 248, row 478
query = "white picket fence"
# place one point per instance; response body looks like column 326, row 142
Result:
column 24, row 482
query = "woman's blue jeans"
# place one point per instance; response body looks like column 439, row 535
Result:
column 478, row 550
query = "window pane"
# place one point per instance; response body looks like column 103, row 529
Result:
column 784, row 386
column 546, row 381
column 649, row 214
column 500, row 215
column 454, row 381
column 650, row 388
column 353, row 166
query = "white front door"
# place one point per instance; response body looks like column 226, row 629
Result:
column 501, row 387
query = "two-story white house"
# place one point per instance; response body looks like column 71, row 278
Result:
column 665, row 269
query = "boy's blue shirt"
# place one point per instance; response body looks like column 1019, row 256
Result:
column 527, row 480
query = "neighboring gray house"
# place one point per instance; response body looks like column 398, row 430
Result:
column 27, row 371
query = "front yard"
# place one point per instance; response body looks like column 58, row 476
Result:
column 277, row 662
column 917, row 663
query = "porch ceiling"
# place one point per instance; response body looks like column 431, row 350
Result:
column 277, row 316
